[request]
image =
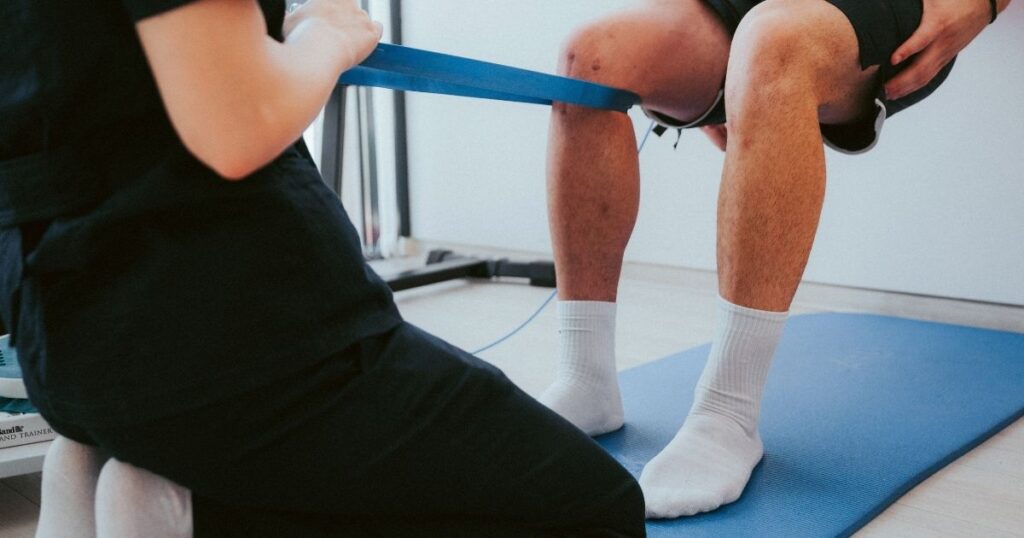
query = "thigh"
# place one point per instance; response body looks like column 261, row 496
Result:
column 673, row 53
column 411, row 432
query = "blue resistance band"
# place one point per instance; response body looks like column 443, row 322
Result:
column 408, row 69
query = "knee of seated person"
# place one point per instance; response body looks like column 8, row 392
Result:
column 772, row 64
column 128, row 491
column 63, row 449
column 66, row 457
column 595, row 53
column 771, row 47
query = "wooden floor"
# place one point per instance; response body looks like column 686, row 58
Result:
column 665, row 310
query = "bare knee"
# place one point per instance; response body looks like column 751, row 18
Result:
column 70, row 472
column 589, row 52
column 125, row 481
column 596, row 52
column 772, row 48
column 135, row 502
column 794, row 53
column 775, row 64
column 68, row 460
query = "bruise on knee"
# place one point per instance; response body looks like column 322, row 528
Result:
column 570, row 62
column 588, row 52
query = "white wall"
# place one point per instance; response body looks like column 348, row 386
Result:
column 383, row 112
column 937, row 208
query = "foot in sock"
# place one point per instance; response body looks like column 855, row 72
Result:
column 594, row 408
column 709, row 461
column 586, row 387
column 705, row 466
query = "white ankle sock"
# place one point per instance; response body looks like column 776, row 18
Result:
column 709, row 461
column 586, row 387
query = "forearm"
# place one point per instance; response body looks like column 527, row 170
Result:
column 281, row 91
column 235, row 96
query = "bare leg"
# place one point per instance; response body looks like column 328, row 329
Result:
column 69, row 487
column 133, row 502
column 794, row 63
column 673, row 53
column 773, row 184
column 85, row 494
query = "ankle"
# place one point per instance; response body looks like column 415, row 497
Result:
column 586, row 333
column 703, row 419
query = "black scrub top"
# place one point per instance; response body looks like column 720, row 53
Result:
column 137, row 283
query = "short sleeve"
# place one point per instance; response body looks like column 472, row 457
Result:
column 140, row 9
column 273, row 11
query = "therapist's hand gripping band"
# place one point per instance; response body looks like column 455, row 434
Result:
column 407, row 69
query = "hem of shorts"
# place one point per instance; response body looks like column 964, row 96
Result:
column 660, row 119
column 880, row 117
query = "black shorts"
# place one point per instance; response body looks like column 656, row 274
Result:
column 881, row 27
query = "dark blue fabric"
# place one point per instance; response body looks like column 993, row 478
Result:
column 136, row 282
column 408, row 69
column 858, row 409
column 401, row 435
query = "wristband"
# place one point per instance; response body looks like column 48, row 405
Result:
column 995, row 10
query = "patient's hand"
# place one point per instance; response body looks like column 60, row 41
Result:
column 947, row 26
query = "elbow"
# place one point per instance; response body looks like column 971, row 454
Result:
column 232, row 169
column 234, row 139
column 232, row 161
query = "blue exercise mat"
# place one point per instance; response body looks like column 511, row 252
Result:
column 408, row 69
column 858, row 409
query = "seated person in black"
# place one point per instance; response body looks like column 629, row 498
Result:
column 227, row 335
